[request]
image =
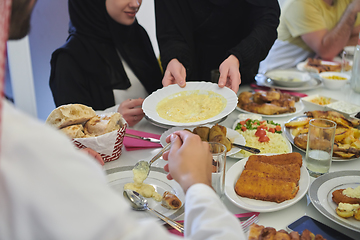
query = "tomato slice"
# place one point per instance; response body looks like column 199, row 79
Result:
column 260, row 132
column 243, row 128
column 262, row 127
column 272, row 130
column 242, row 122
column 264, row 138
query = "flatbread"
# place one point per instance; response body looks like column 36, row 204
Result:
column 74, row 131
column 101, row 124
column 70, row 114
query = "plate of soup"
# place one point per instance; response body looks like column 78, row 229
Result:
column 195, row 104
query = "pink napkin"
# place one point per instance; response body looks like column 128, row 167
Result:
column 132, row 144
column 258, row 88
column 241, row 216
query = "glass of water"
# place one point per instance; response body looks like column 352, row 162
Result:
column 218, row 151
column 320, row 145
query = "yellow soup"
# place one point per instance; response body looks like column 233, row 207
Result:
column 191, row 106
column 335, row 78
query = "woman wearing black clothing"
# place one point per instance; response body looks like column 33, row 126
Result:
column 107, row 62
column 197, row 36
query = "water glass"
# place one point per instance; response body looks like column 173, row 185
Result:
column 319, row 147
column 218, row 151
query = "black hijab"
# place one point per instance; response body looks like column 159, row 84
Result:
column 93, row 39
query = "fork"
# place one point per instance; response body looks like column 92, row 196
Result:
column 246, row 224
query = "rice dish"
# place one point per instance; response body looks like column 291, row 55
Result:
column 277, row 143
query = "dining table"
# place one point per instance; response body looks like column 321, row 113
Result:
column 279, row 219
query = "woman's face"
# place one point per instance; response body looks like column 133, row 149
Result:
column 123, row 11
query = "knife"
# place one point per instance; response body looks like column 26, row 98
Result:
column 246, row 148
column 149, row 139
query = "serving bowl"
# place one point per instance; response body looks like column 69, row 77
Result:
column 317, row 102
column 288, row 77
column 334, row 80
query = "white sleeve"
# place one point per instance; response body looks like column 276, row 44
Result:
column 49, row 190
column 206, row 217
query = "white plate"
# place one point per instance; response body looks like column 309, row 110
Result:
column 233, row 174
column 284, row 77
column 262, row 80
column 233, row 135
column 239, row 155
column 320, row 193
column 118, row 177
column 150, row 103
column 301, row 66
column 290, row 137
column 298, row 105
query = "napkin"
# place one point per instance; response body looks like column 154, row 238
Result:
column 132, row 144
column 258, row 88
column 241, row 216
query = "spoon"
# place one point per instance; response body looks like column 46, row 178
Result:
column 139, row 203
column 246, row 148
column 144, row 167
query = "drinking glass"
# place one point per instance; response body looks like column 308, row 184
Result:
column 319, row 147
column 218, row 151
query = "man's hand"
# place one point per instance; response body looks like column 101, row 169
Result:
column 131, row 110
column 230, row 74
column 189, row 159
column 329, row 43
column 175, row 74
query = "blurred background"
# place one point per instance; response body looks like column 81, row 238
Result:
column 27, row 81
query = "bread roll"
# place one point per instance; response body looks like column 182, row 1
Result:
column 101, row 124
column 170, row 201
column 70, row 114
column 74, row 131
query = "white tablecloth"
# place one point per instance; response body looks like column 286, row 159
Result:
column 279, row 219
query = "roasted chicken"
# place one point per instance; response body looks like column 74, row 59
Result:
column 270, row 102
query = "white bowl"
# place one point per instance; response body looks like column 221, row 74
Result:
column 288, row 77
column 317, row 102
column 334, row 83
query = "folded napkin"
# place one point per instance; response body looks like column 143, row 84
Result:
column 241, row 216
column 132, row 144
column 262, row 88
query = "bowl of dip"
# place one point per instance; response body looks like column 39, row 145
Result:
column 346, row 108
column 334, row 80
column 288, row 77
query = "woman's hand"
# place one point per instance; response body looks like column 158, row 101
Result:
column 131, row 110
column 94, row 154
column 175, row 73
column 189, row 159
column 230, row 74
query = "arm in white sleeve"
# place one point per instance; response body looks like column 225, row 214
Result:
column 206, row 217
